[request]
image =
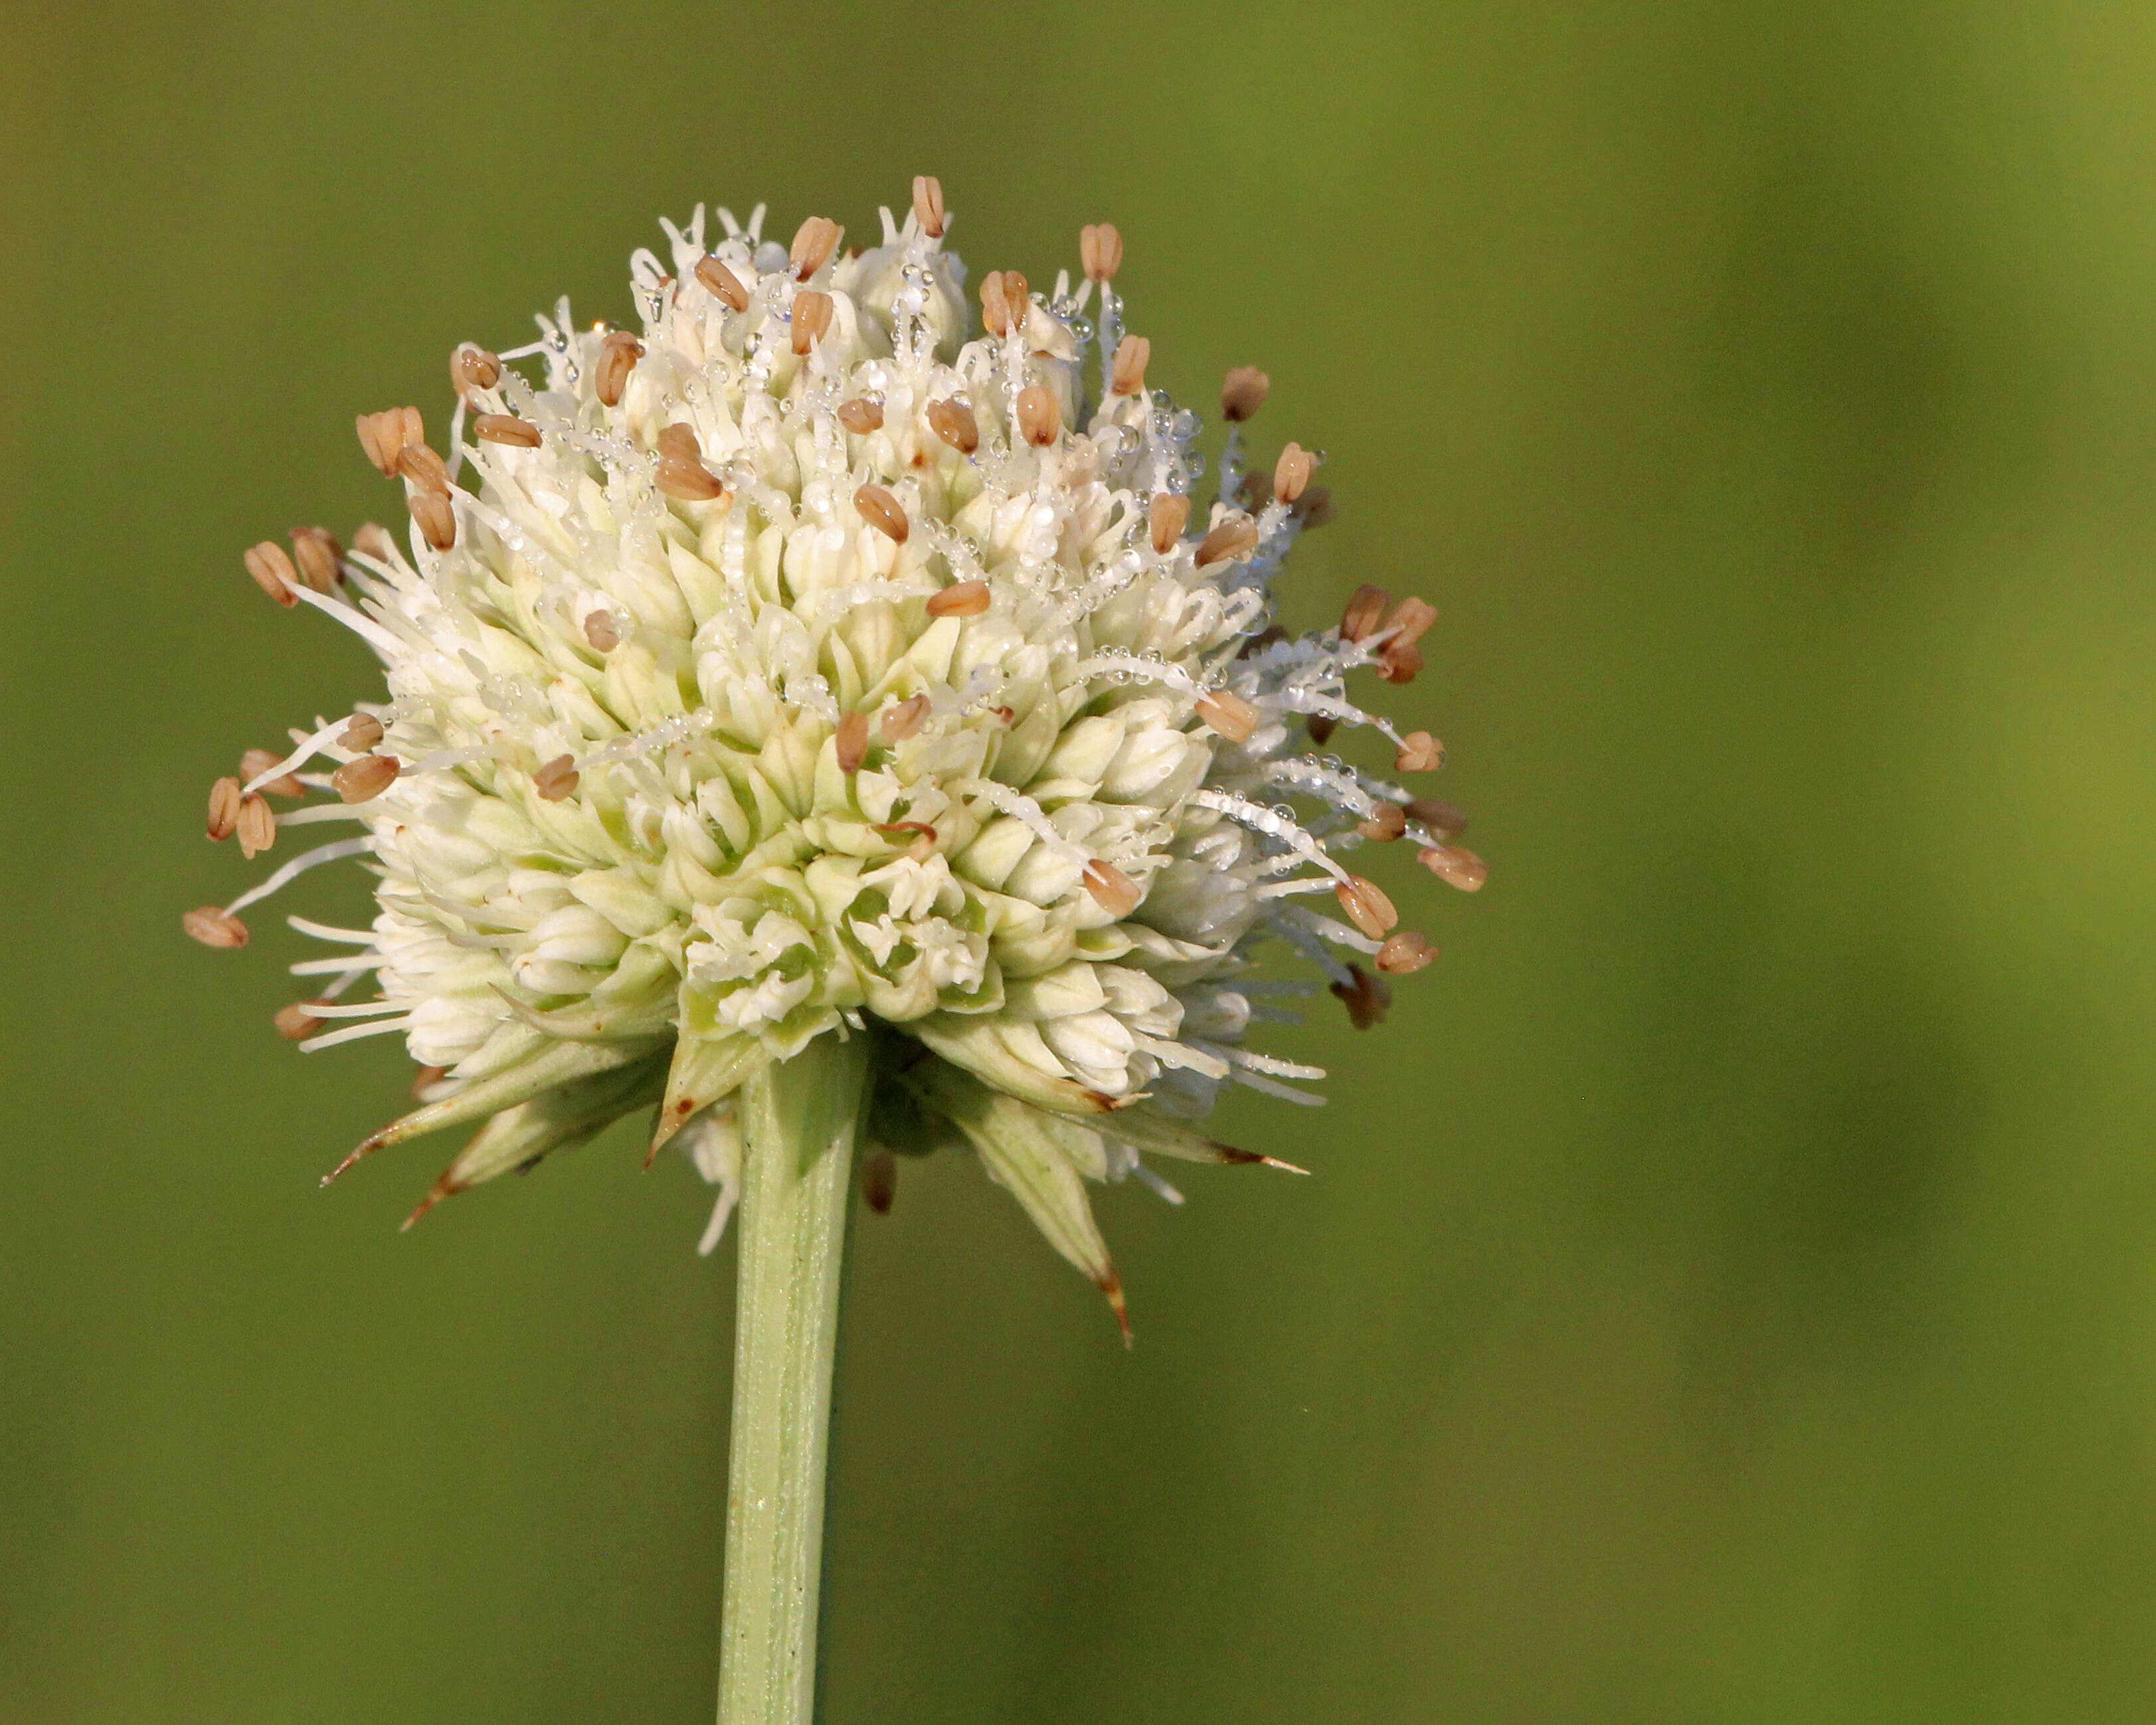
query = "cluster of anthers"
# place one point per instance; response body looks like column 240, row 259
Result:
column 800, row 664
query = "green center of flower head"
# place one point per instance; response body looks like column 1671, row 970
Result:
column 799, row 667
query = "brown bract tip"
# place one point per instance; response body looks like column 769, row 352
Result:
column 1111, row 1284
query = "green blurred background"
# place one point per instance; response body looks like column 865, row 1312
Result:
column 1728, row 1287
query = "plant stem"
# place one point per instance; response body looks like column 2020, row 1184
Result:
column 797, row 1119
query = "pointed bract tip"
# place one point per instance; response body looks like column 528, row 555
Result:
column 442, row 1188
column 367, row 1147
column 1230, row 1153
column 1112, row 1284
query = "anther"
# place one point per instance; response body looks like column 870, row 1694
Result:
column 364, row 779
column 678, row 441
column 1411, row 619
column 619, row 354
column 1388, row 824
column 1367, row 998
column 600, row 631
column 556, row 779
column 257, row 762
column 1314, row 508
column 437, row 519
column 1405, row 952
column 506, row 429
column 723, row 284
column 1292, row 473
column 1418, row 753
column 860, row 415
column 1230, row 715
column 1320, row 728
column 995, row 308
column 1398, row 661
column 882, row 512
column 1366, row 609
column 812, row 318
column 471, row 366
column 256, row 825
column 419, row 464
column 361, row 732
column 1242, row 392
column 272, row 569
column 691, row 481
column 214, row 927
column 1040, row 419
column 961, row 598
column 905, row 719
column 1233, row 539
column 953, row 421
column 1112, row 889
column 223, row 807
column 372, row 540
column 295, row 1022
column 852, row 742
column 1271, row 635
column 1456, row 867
column 1166, row 517
column 813, row 242
column 1367, row 906
column 1100, row 250
column 880, row 1181
column 1133, row 354
column 317, row 552
column 928, row 204
column 1445, row 819
column 382, row 434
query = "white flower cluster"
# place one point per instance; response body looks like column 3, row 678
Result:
column 797, row 666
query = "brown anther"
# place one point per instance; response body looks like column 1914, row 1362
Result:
column 678, row 441
column 1235, row 538
column 1127, row 377
column 1367, row 998
column 471, row 366
column 506, row 429
column 1228, row 715
column 919, row 829
column 860, row 415
column 1367, row 905
column 257, row 762
column 928, row 204
column 556, row 779
column 437, row 519
column 600, row 631
column 1398, row 661
column 295, row 1022
column 419, row 464
column 214, row 927
column 812, row 318
column 723, row 283
column 1242, row 392
column 1314, row 508
column 882, row 512
column 961, row 598
column 1270, row 636
column 1405, row 952
column 364, row 779
column 361, row 732
column 619, row 354
column 953, row 421
column 1112, row 889
column 1166, row 517
column 1292, row 473
column 1100, row 250
column 256, row 825
column 905, row 719
column 813, row 242
column 425, row 1078
column 880, row 1181
column 1418, row 753
column 382, row 434
column 852, row 741
column 318, row 554
column 1386, row 824
column 223, row 807
column 1446, row 819
column 1411, row 619
column 1040, row 418
column 995, row 308
column 1366, row 608
column 271, row 566
column 372, row 540
column 690, row 481
column 1456, row 867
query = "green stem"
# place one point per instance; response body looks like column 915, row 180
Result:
column 798, row 1119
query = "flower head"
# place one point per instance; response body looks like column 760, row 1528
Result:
column 795, row 665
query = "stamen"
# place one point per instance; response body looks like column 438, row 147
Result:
column 1166, row 517
column 295, row 1023
column 1367, row 998
column 600, row 631
column 1133, row 354
column 214, row 927
column 1385, row 825
column 556, row 779
column 419, row 464
column 366, row 778
column 1320, row 726
column 1242, row 392
column 362, row 731
column 1040, row 418
column 1398, row 661
column 272, row 572
column 318, row 555
column 861, row 416
column 852, row 742
column 382, row 435
column 619, row 354
column 1445, row 819
column 953, row 421
column 961, row 598
column 1411, row 619
column 678, row 441
column 883, row 512
column 506, row 429
column 812, row 318
column 1405, row 952
column 814, row 241
column 1367, row 906
column 905, row 719
column 1100, row 250
column 471, row 366
column 223, row 807
column 280, row 878
column 380, row 1026
column 436, row 517
column 374, row 541
column 1366, row 607
column 1234, row 539
column 1314, row 508
column 723, row 284
column 1455, row 866
column 690, row 481
column 1112, row 889
column 1230, row 715
column 1292, row 473
column 928, row 204
column 256, row 825
column 1418, row 753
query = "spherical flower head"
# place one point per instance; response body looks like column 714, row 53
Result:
column 802, row 665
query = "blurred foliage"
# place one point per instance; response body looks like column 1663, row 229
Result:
column 1726, row 1289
